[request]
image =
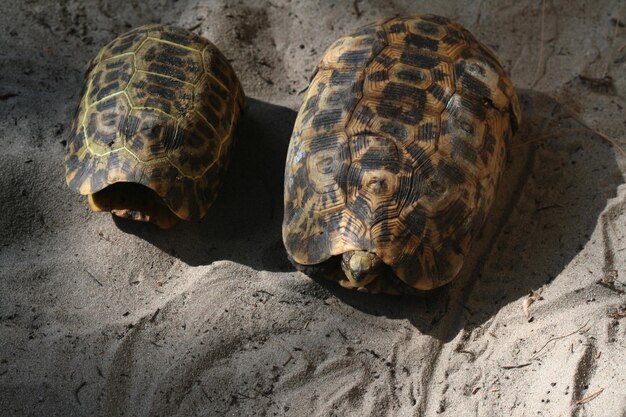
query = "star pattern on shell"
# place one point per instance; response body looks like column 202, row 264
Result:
column 398, row 149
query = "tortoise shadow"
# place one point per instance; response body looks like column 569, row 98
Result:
column 556, row 190
column 244, row 223
column 549, row 201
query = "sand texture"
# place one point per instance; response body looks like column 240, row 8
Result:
column 106, row 317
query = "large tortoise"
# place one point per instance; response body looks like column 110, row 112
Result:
column 396, row 155
column 151, row 136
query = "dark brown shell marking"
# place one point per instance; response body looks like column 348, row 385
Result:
column 159, row 108
column 398, row 148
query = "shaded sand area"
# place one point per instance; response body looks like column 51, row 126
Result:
column 106, row 317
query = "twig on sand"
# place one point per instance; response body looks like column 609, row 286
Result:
column 540, row 64
column 603, row 136
column 536, row 295
column 288, row 359
column 154, row 315
column 525, row 304
column 618, row 313
column 242, row 395
column 551, row 206
column 196, row 26
column 558, row 338
column 521, row 365
column 206, row 395
column 94, row 278
column 604, row 84
column 606, row 282
column 610, row 140
column 8, row 96
column 470, row 354
column 77, row 391
column 589, row 397
column 532, row 297
column 357, row 11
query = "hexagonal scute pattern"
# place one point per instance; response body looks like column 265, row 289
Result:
column 104, row 124
column 216, row 66
column 199, row 148
column 398, row 148
column 150, row 133
column 125, row 44
column 169, row 95
column 175, row 61
column 158, row 108
column 213, row 102
column 110, row 77
column 180, row 37
column 355, row 51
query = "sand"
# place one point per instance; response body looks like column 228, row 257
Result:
column 106, row 317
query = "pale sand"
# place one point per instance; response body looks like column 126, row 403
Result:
column 104, row 317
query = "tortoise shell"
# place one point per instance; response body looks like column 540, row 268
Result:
column 397, row 151
column 152, row 133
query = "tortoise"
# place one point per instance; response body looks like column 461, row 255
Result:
column 396, row 154
column 154, row 126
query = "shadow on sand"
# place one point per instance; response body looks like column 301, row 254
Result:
column 556, row 188
column 548, row 204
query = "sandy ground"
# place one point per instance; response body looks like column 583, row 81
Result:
column 111, row 318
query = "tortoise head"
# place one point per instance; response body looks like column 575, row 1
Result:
column 361, row 267
column 133, row 201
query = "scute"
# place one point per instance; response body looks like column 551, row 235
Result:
column 104, row 124
column 354, row 51
column 213, row 102
column 175, row 61
column 158, row 109
column 125, row 44
column 149, row 133
column 217, row 67
column 202, row 148
column 110, row 77
column 168, row 95
column 398, row 149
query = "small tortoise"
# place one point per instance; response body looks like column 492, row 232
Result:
column 151, row 136
column 396, row 154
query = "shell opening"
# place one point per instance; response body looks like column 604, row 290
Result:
column 133, row 201
column 361, row 267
